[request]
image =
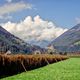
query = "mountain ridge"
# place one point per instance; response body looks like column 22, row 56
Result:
column 66, row 41
column 16, row 45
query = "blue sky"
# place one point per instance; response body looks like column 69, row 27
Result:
column 61, row 12
column 39, row 22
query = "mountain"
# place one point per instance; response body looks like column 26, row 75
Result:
column 42, row 43
column 68, row 41
column 10, row 42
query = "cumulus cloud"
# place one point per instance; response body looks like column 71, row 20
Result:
column 35, row 31
column 13, row 7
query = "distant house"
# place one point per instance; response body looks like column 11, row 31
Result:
column 37, row 52
column 8, row 52
column 51, row 50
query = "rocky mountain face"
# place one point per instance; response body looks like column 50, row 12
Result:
column 10, row 42
column 68, row 41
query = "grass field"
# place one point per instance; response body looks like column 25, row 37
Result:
column 65, row 70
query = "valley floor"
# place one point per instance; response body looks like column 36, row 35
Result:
column 65, row 70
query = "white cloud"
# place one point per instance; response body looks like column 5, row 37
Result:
column 5, row 17
column 9, row 1
column 13, row 7
column 35, row 31
column 77, row 20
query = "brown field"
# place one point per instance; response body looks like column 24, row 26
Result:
column 13, row 64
